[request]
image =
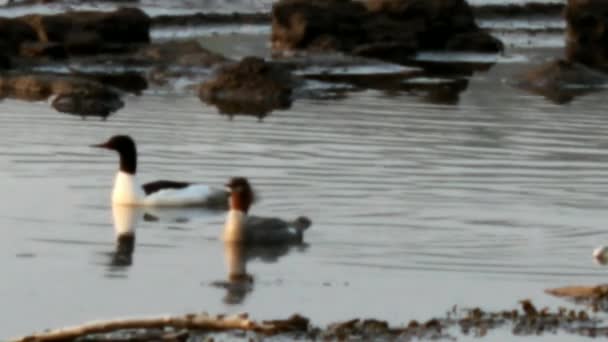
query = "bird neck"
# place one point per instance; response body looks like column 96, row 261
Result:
column 127, row 190
column 234, row 228
column 128, row 160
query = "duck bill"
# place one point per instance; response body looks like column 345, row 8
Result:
column 102, row 145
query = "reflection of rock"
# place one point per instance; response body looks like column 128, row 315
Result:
column 390, row 78
column 386, row 29
column 102, row 104
column 587, row 35
column 74, row 95
column 440, row 92
column 252, row 86
column 561, row 81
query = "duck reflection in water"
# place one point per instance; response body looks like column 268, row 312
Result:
column 239, row 282
column 125, row 219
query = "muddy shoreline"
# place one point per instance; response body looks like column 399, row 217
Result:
column 527, row 320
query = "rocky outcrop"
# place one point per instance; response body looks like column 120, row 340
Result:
column 387, row 29
column 123, row 26
column 587, row 32
column 75, row 33
column 251, row 86
column 74, row 95
column 14, row 32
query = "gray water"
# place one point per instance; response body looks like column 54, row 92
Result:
column 416, row 206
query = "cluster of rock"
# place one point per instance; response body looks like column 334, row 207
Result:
column 388, row 30
column 120, row 37
column 37, row 39
column 385, row 29
column 583, row 69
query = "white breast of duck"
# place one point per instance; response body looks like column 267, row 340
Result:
column 242, row 228
column 128, row 191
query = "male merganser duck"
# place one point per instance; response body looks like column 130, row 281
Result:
column 127, row 190
column 254, row 230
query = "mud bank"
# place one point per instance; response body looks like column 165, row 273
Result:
column 526, row 321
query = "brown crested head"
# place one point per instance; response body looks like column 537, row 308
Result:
column 241, row 194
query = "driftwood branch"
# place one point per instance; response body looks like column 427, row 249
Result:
column 190, row 322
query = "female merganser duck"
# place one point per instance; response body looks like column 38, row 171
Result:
column 254, row 230
column 127, row 190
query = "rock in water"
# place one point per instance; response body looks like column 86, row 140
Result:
column 251, row 86
column 385, row 29
column 587, row 36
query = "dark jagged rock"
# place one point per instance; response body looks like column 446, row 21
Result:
column 587, row 36
column 124, row 26
column 40, row 49
column 251, row 86
column 13, row 33
column 5, row 62
column 561, row 81
column 387, row 29
column 75, row 33
column 211, row 19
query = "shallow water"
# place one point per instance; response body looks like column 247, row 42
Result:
column 417, row 206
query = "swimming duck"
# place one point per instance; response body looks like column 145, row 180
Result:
column 127, row 190
column 255, row 230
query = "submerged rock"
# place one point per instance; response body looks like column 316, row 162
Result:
column 561, row 81
column 587, row 36
column 251, row 86
column 386, row 29
column 178, row 53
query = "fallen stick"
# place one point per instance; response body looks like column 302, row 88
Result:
column 191, row 322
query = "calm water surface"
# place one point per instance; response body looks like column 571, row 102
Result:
column 416, row 206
